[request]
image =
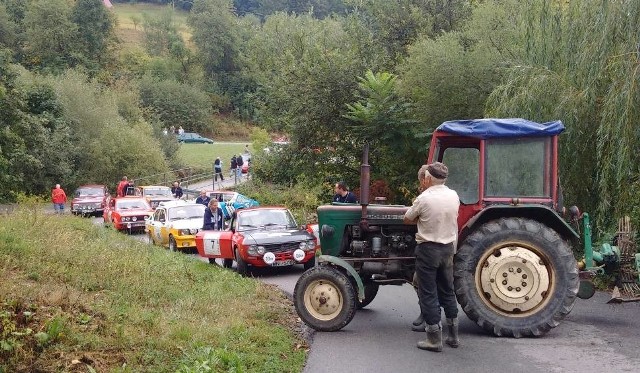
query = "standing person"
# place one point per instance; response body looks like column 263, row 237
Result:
column 176, row 190
column 59, row 198
column 234, row 165
column 239, row 162
column 217, row 169
column 180, row 130
column 213, row 217
column 435, row 212
column 343, row 194
column 122, row 185
column 172, row 130
column 165, row 132
column 203, row 198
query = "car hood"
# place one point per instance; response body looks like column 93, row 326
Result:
column 266, row 237
column 195, row 223
column 160, row 198
column 87, row 200
column 135, row 212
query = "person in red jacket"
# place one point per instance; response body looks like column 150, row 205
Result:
column 121, row 190
column 59, row 198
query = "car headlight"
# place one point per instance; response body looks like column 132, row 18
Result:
column 125, row 218
column 183, row 232
column 193, row 230
column 303, row 245
column 311, row 244
column 256, row 250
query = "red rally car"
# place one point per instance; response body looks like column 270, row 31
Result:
column 259, row 237
column 127, row 213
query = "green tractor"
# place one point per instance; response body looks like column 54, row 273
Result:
column 515, row 273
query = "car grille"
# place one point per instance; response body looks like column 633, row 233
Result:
column 289, row 246
column 87, row 206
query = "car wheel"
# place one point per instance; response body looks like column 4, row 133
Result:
column 241, row 266
column 173, row 245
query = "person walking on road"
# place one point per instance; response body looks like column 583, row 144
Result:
column 59, row 198
column 234, row 165
column 239, row 163
column 435, row 212
column 213, row 217
column 217, row 169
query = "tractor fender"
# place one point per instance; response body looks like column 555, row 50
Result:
column 540, row 213
column 347, row 267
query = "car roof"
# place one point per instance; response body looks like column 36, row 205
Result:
column 178, row 203
column 258, row 208
column 221, row 191
column 154, row 186
column 91, row 186
column 130, row 197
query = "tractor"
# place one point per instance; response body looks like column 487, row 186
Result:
column 515, row 273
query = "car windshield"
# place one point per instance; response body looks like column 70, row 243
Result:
column 89, row 192
column 157, row 192
column 265, row 218
column 226, row 197
column 132, row 204
column 187, row 212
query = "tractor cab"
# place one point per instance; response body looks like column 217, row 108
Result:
column 501, row 166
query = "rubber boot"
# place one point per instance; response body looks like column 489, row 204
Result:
column 452, row 337
column 434, row 339
column 418, row 324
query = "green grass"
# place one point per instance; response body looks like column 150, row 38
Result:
column 202, row 155
column 79, row 297
column 132, row 34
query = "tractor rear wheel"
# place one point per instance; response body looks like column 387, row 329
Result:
column 515, row 277
column 324, row 298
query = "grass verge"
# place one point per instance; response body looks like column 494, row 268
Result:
column 79, row 297
column 201, row 156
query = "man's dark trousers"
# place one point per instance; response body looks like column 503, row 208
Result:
column 434, row 269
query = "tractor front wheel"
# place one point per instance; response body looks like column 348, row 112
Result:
column 324, row 298
column 515, row 277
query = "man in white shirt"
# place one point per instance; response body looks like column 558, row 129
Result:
column 435, row 212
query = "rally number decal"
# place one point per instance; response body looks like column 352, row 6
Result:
column 212, row 246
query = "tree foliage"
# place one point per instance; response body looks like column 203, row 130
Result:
column 176, row 104
column 594, row 92
column 381, row 118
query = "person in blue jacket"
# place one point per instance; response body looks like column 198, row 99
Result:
column 213, row 217
column 343, row 194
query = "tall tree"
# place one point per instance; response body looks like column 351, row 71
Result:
column 95, row 28
column 51, row 36
column 581, row 66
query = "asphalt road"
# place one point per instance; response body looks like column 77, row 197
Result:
column 595, row 337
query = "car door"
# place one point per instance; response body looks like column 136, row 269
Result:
column 163, row 227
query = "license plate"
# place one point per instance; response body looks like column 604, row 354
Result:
column 282, row 263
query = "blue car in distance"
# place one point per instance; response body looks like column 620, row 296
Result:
column 230, row 201
column 192, row 137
